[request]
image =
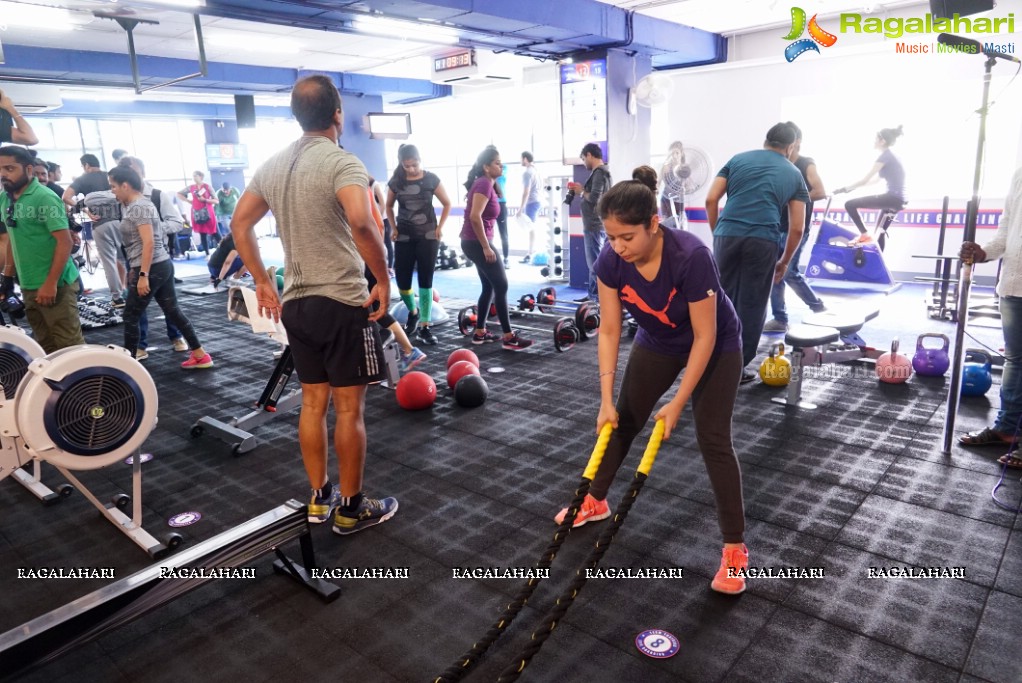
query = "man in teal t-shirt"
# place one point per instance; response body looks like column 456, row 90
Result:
column 39, row 246
column 759, row 185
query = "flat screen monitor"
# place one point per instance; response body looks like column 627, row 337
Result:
column 227, row 156
column 389, row 126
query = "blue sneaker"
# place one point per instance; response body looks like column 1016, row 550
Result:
column 320, row 508
column 411, row 359
column 369, row 513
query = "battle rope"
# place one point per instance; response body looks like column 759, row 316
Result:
column 554, row 616
column 461, row 667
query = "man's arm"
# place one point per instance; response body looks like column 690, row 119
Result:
column 355, row 202
column 717, row 191
column 22, row 132
column 250, row 210
column 69, row 195
column 601, row 181
column 171, row 215
column 818, row 192
column 796, row 226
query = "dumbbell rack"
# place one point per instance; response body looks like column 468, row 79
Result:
column 557, row 231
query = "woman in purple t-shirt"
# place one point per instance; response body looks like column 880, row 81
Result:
column 668, row 281
column 481, row 212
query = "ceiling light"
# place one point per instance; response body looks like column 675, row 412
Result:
column 178, row 3
column 421, row 32
column 38, row 17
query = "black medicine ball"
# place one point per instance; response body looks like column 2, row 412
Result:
column 471, row 391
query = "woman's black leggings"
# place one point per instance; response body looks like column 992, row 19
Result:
column 494, row 280
column 388, row 243
column 648, row 376
column 877, row 201
column 417, row 253
column 161, row 288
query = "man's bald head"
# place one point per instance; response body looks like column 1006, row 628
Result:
column 314, row 101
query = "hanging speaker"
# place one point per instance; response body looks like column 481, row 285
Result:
column 244, row 111
column 946, row 9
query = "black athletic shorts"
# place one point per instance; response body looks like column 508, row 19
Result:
column 332, row 342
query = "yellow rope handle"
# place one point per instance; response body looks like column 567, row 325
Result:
column 598, row 450
column 646, row 464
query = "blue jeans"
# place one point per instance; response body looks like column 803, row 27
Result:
column 161, row 283
column 593, row 245
column 793, row 277
column 1010, row 414
column 223, row 225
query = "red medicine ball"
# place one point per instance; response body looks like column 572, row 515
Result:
column 459, row 370
column 416, row 391
column 462, row 354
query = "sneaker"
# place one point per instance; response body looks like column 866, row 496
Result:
column 141, row 354
column 775, row 325
column 748, row 376
column 194, row 363
column 526, row 259
column 507, row 265
column 413, row 322
column 484, row 338
column 369, row 513
column 117, row 303
column 732, row 560
column 411, row 359
column 321, row 508
column 592, row 510
column 861, row 239
column 516, row 343
column 179, row 344
column 582, row 300
column 426, row 336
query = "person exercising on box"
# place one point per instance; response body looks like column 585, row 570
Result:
column 668, row 281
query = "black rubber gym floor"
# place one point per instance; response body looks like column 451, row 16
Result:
column 858, row 483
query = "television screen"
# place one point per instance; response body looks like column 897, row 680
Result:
column 227, row 156
column 392, row 126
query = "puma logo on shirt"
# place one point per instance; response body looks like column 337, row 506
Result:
column 629, row 295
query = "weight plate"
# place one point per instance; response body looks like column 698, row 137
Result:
column 565, row 334
column 467, row 320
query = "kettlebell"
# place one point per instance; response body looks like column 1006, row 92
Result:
column 976, row 377
column 894, row 367
column 931, row 362
column 775, row 371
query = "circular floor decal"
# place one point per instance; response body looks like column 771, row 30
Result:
column 657, row 644
column 145, row 457
column 495, row 371
column 184, row 519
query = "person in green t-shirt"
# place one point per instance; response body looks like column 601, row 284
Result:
column 39, row 246
column 228, row 198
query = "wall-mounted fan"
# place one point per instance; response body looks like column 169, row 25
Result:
column 654, row 89
column 684, row 172
column 80, row 408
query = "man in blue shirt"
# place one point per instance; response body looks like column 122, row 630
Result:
column 759, row 185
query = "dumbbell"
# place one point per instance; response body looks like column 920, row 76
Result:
column 565, row 331
column 587, row 315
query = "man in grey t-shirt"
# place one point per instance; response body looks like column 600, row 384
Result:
column 319, row 196
column 592, row 226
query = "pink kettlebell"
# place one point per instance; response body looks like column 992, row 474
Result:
column 893, row 367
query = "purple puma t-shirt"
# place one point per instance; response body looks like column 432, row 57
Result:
column 687, row 274
column 482, row 186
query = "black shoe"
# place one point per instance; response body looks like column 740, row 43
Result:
column 426, row 336
column 178, row 281
column 526, row 259
column 581, row 300
column 413, row 322
column 748, row 376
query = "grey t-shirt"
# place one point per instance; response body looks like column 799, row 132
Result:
column 530, row 179
column 300, row 184
column 141, row 212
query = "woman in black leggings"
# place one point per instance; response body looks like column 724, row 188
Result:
column 890, row 170
column 668, row 281
column 481, row 213
column 416, row 235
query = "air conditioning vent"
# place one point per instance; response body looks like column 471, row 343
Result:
column 31, row 98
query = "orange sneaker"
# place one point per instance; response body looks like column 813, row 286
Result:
column 864, row 238
column 733, row 560
column 592, row 510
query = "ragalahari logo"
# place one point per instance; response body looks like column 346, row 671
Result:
column 816, row 35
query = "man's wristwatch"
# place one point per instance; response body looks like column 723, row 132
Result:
column 142, row 273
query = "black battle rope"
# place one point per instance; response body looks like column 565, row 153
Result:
column 554, row 616
column 456, row 671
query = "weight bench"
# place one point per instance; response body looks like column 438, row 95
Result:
column 823, row 338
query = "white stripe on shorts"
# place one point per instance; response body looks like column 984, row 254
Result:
column 369, row 347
